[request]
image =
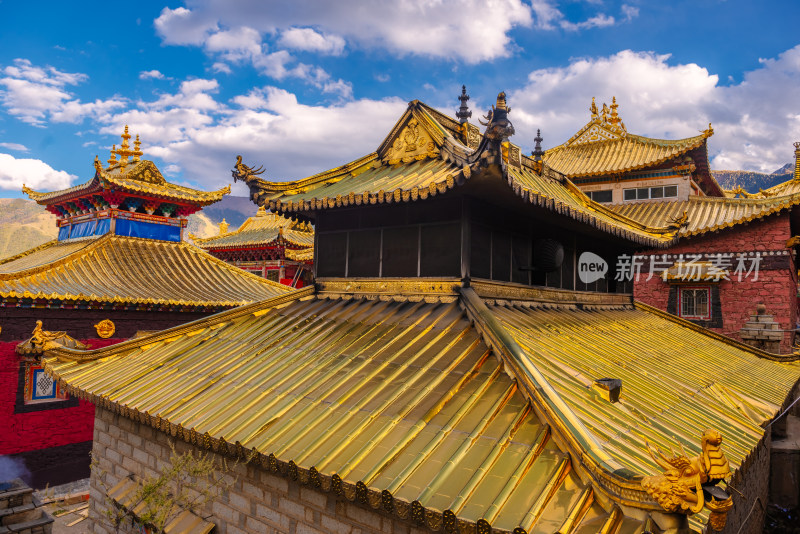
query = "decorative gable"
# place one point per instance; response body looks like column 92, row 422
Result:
column 604, row 126
column 411, row 143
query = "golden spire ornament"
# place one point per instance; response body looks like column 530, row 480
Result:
column 113, row 159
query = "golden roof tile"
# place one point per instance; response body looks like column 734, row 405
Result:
column 422, row 158
column 264, row 229
column 398, row 399
column 623, row 154
column 403, row 402
column 130, row 270
column 139, row 177
column 705, row 214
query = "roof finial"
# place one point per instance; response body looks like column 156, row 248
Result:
column 463, row 112
column 125, row 148
column 97, row 165
column 113, row 159
column 137, row 149
column 593, row 109
column 261, row 212
column 501, row 102
column 223, row 226
column 797, row 161
column 537, row 149
column 614, row 115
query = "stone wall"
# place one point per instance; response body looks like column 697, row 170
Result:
column 751, row 485
column 776, row 286
column 257, row 502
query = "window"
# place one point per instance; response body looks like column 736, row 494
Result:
column 600, row 196
column 38, row 391
column 695, row 303
column 273, row 275
column 646, row 193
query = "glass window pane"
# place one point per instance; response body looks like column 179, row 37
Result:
column 630, row 194
column 671, row 191
column 656, row 192
column 441, row 250
column 331, row 254
column 481, row 262
column 643, row 193
column 601, row 196
column 363, row 253
column 400, row 249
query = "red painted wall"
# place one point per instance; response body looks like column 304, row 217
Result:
column 777, row 289
column 21, row 432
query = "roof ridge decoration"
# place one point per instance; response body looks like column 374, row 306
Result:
column 603, row 126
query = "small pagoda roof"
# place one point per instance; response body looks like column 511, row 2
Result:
column 604, row 147
column 262, row 230
column 700, row 215
column 469, row 406
column 426, row 155
column 128, row 270
column 137, row 176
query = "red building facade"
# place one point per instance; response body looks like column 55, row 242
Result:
column 118, row 267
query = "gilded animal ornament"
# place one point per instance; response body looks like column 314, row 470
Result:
column 687, row 485
column 243, row 172
column 105, row 328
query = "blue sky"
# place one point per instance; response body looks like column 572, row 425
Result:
column 303, row 86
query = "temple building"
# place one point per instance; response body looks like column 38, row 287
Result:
column 463, row 363
column 613, row 166
column 734, row 269
column 267, row 245
column 118, row 266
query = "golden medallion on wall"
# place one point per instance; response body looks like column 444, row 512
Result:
column 105, row 328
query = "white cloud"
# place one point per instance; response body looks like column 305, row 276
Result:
column 629, row 12
column 14, row 146
column 151, row 75
column 32, row 172
column 754, row 121
column 34, row 94
column 312, row 41
column 183, row 27
column 598, row 21
column 236, row 44
column 469, row 30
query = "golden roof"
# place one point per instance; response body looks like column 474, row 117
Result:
column 137, row 176
column 604, row 147
column 130, row 270
column 428, row 410
column 705, row 214
column 264, row 229
column 422, row 158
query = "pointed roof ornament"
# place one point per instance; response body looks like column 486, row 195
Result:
column 262, row 212
column 113, row 159
column 537, row 149
column 223, row 226
column 498, row 127
column 593, row 109
column 463, row 112
column 614, row 115
column 796, row 161
column 124, row 151
column 98, row 167
column 137, row 149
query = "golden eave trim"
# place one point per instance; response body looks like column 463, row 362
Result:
column 396, row 289
column 281, row 187
column 714, row 335
column 68, row 355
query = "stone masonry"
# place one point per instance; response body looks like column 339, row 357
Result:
column 258, row 502
column 776, row 286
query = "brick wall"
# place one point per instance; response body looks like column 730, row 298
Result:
column 751, row 484
column 776, row 286
column 258, row 502
column 41, row 429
